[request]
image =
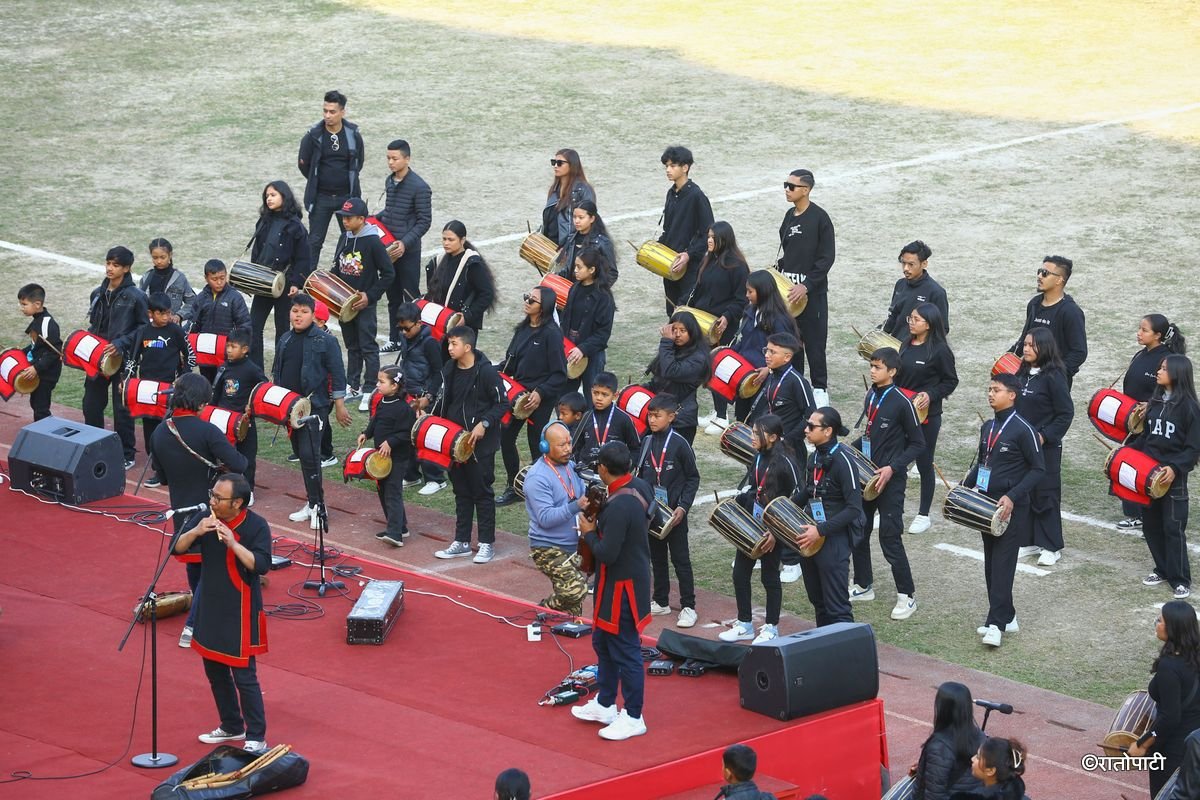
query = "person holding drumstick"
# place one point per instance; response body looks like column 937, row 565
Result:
column 682, row 366
column 1172, row 438
column 459, row 278
column 1053, row 308
column 280, row 243
column 763, row 316
column 1175, row 689
column 1158, row 337
column 1007, row 467
column 587, row 319
column 720, row 290
column 590, row 233
column 686, row 219
column 773, row 473
column 927, row 368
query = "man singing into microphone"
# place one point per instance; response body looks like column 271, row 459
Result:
column 184, row 449
column 235, row 545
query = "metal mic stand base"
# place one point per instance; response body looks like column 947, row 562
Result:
column 151, row 761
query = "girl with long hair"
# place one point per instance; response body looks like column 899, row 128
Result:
column 280, row 243
column 945, row 764
column 590, row 233
column 459, row 278
column 682, row 366
column 569, row 188
column 587, row 318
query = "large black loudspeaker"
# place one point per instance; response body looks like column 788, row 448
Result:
column 810, row 672
column 72, row 462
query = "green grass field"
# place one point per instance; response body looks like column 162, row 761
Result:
column 996, row 136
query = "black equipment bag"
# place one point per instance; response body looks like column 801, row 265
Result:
column 706, row 651
column 283, row 773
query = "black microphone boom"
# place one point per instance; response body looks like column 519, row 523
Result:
column 185, row 510
column 1003, row 708
column 300, row 423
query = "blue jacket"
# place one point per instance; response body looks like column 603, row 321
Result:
column 322, row 365
column 551, row 510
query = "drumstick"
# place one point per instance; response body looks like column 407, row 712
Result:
column 981, row 419
column 528, row 226
column 1103, row 441
column 940, row 475
column 634, row 246
column 856, row 333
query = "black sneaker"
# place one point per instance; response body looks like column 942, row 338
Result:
column 293, row 458
column 1130, row 523
column 153, row 482
column 390, row 347
column 507, row 497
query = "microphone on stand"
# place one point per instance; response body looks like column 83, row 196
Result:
column 185, row 510
column 165, row 392
column 300, row 423
column 1003, row 708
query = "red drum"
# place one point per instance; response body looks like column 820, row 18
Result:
column 922, row 413
column 1008, row 362
column 439, row 318
column 226, row 421
column 1136, row 476
column 278, row 405
column 1116, row 415
column 209, row 348
column 731, row 374
column 561, row 287
column 385, row 236
column 146, row 398
column 12, row 363
column 85, row 351
column 439, row 440
column 579, row 367
column 635, row 400
column 516, row 394
column 367, row 463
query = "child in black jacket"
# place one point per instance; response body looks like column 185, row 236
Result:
column 43, row 350
column 391, row 424
column 604, row 422
column 161, row 353
column 232, row 386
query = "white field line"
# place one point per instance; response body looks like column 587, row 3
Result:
column 978, row 556
column 1109, row 526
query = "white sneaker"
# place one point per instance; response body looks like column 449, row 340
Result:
column 433, row 487
column 757, row 564
column 251, row 500
column 789, row 573
column 185, row 638
column 740, row 632
column 875, row 522
column 365, row 404
column 766, row 633
column 1049, row 558
column 219, row 735
column 592, row 711
column 1026, row 552
column 992, row 636
column 623, row 727
column 906, row 604
column 705, row 420
column 352, row 393
column 485, row 554
column 913, row 472
column 1011, row 627
column 257, row 748
column 821, row 396
column 332, row 461
column 858, row 593
column 658, row 610
column 455, row 550
column 302, row 514
column 920, row 524
column 687, row 618
column 716, row 426
column 314, row 522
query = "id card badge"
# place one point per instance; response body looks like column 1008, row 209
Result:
column 817, row 510
column 982, row 478
column 758, row 511
column 660, row 494
column 866, row 447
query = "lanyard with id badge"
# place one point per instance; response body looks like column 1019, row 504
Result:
column 816, row 506
column 872, row 411
column 983, row 475
column 660, row 491
column 758, row 507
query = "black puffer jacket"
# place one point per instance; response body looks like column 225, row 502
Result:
column 939, row 774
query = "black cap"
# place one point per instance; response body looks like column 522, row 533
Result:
column 354, row 207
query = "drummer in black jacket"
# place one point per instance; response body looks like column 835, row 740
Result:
column 421, row 356
column 537, row 361
column 1008, row 465
column 390, row 431
column 668, row 464
column 603, row 423
column 1053, row 308
column 891, row 440
column 231, row 389
column 916, row 287
column 682, row 366
column 687, row 216
column 1172, row 438
column 833, row 496
column 472, row 396
column 587, row 318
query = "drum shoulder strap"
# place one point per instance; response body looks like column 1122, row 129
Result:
column 625, row 490
column 170, row 423
column 462, row 264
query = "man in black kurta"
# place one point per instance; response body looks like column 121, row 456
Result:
column 230, row 631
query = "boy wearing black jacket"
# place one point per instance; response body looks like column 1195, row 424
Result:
column 1053, row 308
column 892, row 440
column 160, row 353
column 43, row 351
column 117, row 308
column 421, row 356
column 668, row 463
column 218, row 308
column 361, row 261
column 916, row 287
column 687, row 216
column 1007, row 467
column 603, row 423
column 473, row 397
column 232, row 385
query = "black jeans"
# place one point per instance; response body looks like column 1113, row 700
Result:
column 261, row 308
column 307, row 442
column 890, row 505
column 405, row 288
column 391, row 498
column 827, row 581
column 533, row 435
column 95, row 400
column 1164, row 526
column 474, row 496
column 675, row 546
column 249, row 448
column 231, row 685
column 39, row 399
column 925, row 464
column 318, row 223
column 814, row 333
column 362, row 350
column 743, row 569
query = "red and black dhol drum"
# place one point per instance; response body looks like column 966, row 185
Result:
column 1116, row 415
column 635, row 400
column 12, row 363
column 1009, row 362
column 385, row 236
column 732, row 374
column 580, row 366
column 1136, row 476
column 226, row 421
column 209, row 348
column 439, row 318
column 366, row 463
column 278, row 405
column 146, row 398
column 85, row 351
column 561, row 287
column 439, row 440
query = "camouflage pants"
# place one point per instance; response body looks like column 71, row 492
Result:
column 567, row 582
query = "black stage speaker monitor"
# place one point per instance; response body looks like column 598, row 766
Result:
column 810, row 672
column 72, row 462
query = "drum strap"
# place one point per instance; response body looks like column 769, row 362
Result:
column 170, row 423
column 636, row 495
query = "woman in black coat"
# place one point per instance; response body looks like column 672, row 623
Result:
column 280, row 243
column 590, row 233
column 945, row 763
column 587, row 319
column 459, row 278
column 682, row 366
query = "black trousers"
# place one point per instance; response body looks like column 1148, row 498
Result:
column 814, row 333
column 743, row 569
column 249, row 448
column 39, row 399
column 149, row 426
column 362, row 350
column 95, row 400
column 1000, row 566
column 391, row 498
column 676, row 547
column 474, row 497
column 619, row 656
column 929, row 478
column 533, row 435
column 239, row 698
column 1045, row 504
column 688, row 433
column 417, row 469
column 307, row 443
column 1164, row 526
column 318, row 223
column 827, row 581
column 890, row 505
column 678, row 291
column 194, row 574
column 261, row 308
column 405, row 288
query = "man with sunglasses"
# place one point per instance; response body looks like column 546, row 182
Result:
column 687, row 216
column 1053, row 308
column 807, row 245
column 230, row 631
column 331, row 158
column 422, row 358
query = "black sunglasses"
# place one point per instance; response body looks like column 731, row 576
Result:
column 791, row 187
column 808, row 426
column 557, row 162
column 531, row 299
column 1043, row 273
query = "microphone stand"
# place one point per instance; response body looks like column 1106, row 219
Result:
column 154, row 759
column 320, row 514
